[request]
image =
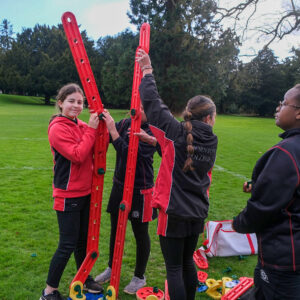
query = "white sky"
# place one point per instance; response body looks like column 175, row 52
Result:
column 267, row 12
column 108, row 17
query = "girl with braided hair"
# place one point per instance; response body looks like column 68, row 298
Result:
column 181, row 189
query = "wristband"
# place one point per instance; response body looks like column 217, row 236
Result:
column 146, row 67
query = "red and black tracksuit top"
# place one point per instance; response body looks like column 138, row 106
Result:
column 178, row 194
column 71, row 143
column 273, row 211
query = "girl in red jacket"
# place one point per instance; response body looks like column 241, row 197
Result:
column 71, row 142
column 181, row 188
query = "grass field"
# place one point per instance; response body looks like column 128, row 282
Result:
column 29, row 231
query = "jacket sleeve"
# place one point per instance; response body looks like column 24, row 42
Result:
column 272, row 193
column 62, row 139
column 121, row 144
column 156, row 111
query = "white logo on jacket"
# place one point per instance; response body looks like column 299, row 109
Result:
column 264, row 276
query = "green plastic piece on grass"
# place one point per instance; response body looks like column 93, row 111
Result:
column 33, row 255
column 227, row 270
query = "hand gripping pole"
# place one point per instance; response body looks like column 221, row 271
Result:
column 125, row 206
column 92, row 95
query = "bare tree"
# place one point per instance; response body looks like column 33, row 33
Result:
column 276, row 25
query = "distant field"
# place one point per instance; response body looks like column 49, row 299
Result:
column 29, row 232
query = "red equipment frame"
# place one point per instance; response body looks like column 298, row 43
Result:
column 239, row 289
column 125, row 206
column 92, row 95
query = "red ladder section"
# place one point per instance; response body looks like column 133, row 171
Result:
column 92, row 95
column 239, row 289
column 125, row 206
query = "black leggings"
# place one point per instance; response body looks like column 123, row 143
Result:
column 73, row 231
column 142, row 239
column 181, row 270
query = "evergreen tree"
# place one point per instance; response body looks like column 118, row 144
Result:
column 186, row 48
column 6, row 32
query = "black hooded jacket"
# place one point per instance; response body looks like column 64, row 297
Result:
column 273, row 211
column 180, row 194
column 144, row 165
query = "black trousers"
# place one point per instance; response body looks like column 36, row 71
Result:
column 140, row 231
column 181, row 271
column 73, row 231
column 276, row 285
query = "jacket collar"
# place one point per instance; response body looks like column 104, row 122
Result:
column 289, row 133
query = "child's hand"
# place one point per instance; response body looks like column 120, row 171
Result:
column 144, row 61
column 108, row 119
column 145, row 137
column 94, row 120
column 247, row 187
column 110, row 124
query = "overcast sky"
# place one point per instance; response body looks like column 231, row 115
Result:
column 108, row 17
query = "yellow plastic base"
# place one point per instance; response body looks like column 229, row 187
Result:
column 76, row 291
column 111, row 293
column 151, row 297
column 213, row 286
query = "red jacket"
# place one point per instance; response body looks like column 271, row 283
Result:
column 72, row 147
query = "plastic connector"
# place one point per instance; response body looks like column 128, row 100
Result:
column 101, row 171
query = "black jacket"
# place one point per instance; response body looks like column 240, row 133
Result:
column 184, row 195
column 144, row 168
column 273, row 211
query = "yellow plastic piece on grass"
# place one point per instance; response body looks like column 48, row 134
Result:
column 76, row 291
column 151, row 297
column 224, row 288
column 213, row 286
column 111, row 293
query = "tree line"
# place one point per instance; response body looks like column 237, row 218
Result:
column 190, row 51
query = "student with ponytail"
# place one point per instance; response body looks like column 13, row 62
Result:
column 71, row 142
column 181, row 189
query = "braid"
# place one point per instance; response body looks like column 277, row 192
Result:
column 189, row 141
column 197, row 109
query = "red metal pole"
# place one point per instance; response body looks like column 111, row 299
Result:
column 92, row 95
column 125, row 206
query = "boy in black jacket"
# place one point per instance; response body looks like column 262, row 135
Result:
column 273, row 210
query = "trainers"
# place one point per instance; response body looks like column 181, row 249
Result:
column 92, row 286
column 53, row 296
column 104, row 276
column 134, row 285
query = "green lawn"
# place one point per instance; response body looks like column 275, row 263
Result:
column 29, row 231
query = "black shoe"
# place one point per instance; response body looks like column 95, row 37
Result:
column 53, row 296
column 92, row 286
